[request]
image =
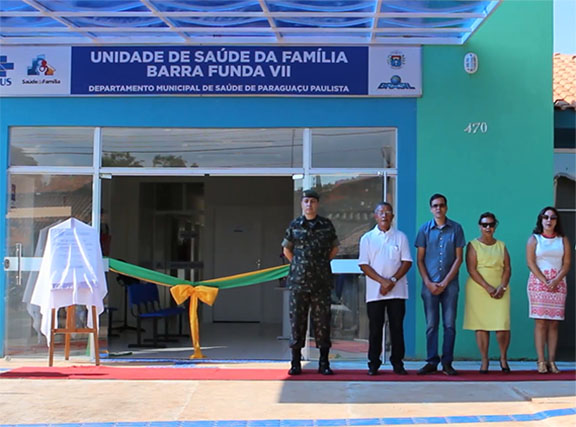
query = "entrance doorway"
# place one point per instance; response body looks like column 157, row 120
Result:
column 200, row 228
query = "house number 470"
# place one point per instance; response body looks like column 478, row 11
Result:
column 476, row 127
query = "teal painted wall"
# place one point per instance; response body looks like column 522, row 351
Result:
column 507, row 170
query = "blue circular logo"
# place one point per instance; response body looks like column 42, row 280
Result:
column 395, row 80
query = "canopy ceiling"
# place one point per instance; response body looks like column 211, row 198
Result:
column 373, row 22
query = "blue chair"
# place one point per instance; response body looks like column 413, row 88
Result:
column 144, row 301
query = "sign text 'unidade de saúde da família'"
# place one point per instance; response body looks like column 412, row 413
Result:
column 217, row 70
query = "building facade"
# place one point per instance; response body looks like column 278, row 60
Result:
column 203, row 186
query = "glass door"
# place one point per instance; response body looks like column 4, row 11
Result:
column 36, row 202
column 348, row 201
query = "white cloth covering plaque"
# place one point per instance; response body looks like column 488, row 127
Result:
column 71, row 272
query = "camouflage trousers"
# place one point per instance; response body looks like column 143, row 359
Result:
column 319, row 306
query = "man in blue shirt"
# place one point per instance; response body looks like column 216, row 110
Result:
column 440, row 244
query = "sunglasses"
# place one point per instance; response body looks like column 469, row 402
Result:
column 439, row 205
column 487, row 224
column 549, row 217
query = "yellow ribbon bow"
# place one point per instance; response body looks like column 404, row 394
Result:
column 207, row 295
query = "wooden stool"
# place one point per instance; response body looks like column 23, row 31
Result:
column 72, row 329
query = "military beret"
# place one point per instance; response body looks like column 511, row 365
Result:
column 310, row 193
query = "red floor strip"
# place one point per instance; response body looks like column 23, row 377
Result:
column 234, row 374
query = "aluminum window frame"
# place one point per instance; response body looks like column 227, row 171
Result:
column 306, row 172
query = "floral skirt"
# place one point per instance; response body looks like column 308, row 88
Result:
column 544, row 303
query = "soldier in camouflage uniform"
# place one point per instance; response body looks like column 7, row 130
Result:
column 309, row 244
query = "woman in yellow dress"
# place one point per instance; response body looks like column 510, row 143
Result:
column 487, row 296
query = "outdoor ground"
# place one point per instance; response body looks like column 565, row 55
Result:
column 248, row 403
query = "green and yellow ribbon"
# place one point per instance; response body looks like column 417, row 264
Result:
column 205, row 291
column 207, row 295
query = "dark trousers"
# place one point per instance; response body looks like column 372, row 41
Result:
column 318, row 304
column 396, row 309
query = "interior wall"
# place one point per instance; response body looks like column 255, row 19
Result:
column 272, row 196
column 121, row 202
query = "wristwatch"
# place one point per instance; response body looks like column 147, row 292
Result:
column 393, row 279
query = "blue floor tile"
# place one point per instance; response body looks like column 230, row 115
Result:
column 338, row 422
column 365, row 422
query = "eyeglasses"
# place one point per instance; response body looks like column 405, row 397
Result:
column 439, row 205
column 487, row 224
column 549, row 217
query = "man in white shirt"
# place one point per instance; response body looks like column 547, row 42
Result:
column 385, row 259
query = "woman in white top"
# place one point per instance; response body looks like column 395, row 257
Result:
column 548, row 256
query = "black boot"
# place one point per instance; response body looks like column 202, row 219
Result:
column 323, row 363
column 295, row 365
column 373, row 368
